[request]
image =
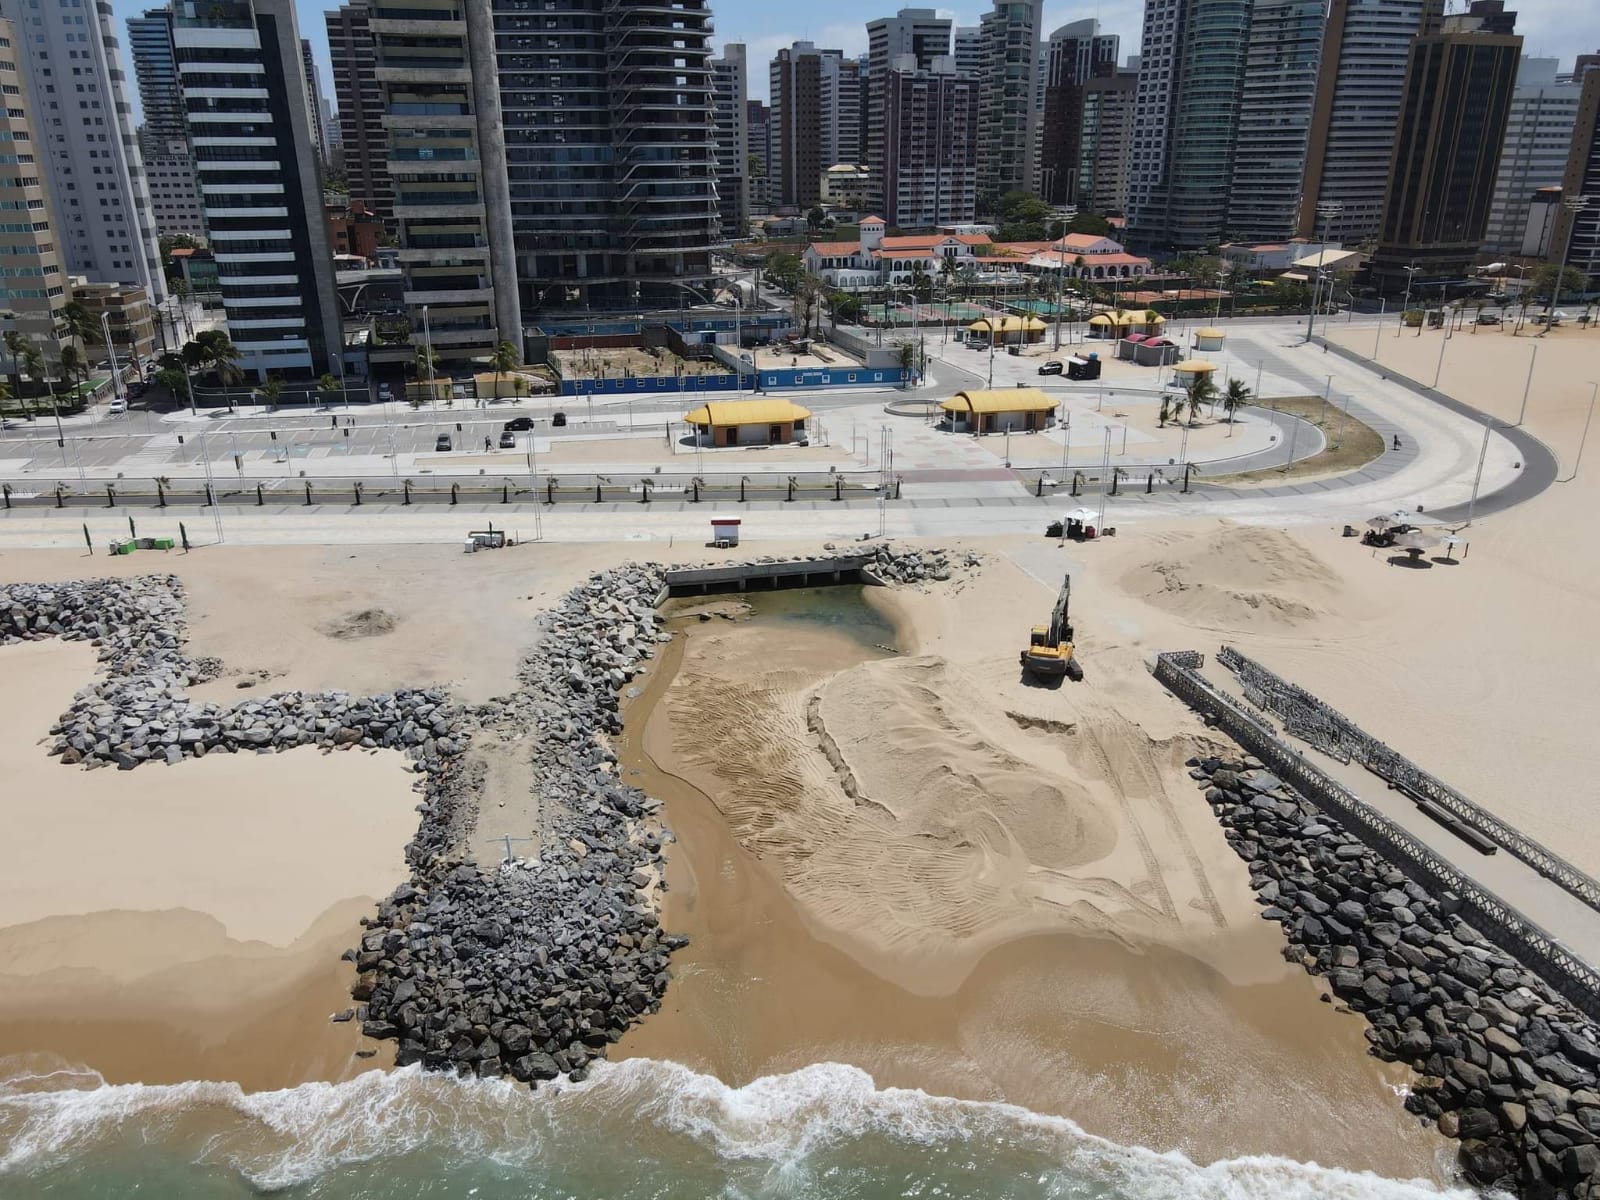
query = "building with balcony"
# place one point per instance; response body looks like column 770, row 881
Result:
column 164, row 136
column 1360, row 81
column 363, row 143
column 127, row 314
column 1075, row 54
column 1577, row 233
column 1453, row 114
column 245, row 102
column 435, row 69
column 1283, row 55
column 611, row 149
column 1186, row 118
column 729, row 82
column 1008, row 112
column 1105, row 144
column 86, row 147
column 35, row 286
column 929, row 171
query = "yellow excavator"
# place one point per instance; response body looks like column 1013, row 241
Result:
column 1050, row 653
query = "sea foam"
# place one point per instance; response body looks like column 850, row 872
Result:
column 52, row 1113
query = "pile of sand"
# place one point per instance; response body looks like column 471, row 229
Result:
column 1236, row 576
column 369, row 622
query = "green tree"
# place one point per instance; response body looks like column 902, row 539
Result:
column 505, row 359
column 327, row 384
column 1022, row 217
column 270, row 391
column 15, row 345
column 425, row 363
column 73, row 366
column 1201, row 391
column 79, row 324
column 33, row 364
column 785, row 270
column 1236, row 397
column 1572, row 280
column 1165, row 414
column 176, row 381
column 816, row 216
column 1088, row 223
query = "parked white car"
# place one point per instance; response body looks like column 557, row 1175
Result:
column 117, row 407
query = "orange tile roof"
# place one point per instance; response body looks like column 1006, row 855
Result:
column 836, row 249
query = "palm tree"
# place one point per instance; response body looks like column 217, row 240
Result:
column 1235, row 397
column 1166, row 413
column 1201, row 390
column 33, row 363
column 72, row 365
column 425, row 363
column 176, row 381
column 79, row 323
column 504, row 359
column 327, row 384
column 271, row 388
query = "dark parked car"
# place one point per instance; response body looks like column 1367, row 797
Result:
column 508, row 440
column 517, row 424
column 1053, row 367
column 1488, row 319
column 442, row 442
column 559, row 419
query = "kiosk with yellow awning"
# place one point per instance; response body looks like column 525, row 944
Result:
column 1209, row 338
column 997, row 410
column 765, row 422
column 1008, row 330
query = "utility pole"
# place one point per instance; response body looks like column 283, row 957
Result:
column 1405, row 304
column 1483, row 453
column 1578, row 460
column 1527, row 387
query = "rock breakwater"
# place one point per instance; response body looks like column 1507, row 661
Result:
column 1506, row 1066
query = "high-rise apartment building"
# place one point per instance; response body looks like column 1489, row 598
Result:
column 920, row 33
column 35, row 285
column 1577, row 234
column 1544, row 113
column 87, row 148
column 1008, row 116
column 966, row 44
column 1458, row 91
column 1074, row 55
column 155, row 69
column 1359, row 86
column 930, row 162
column 758, row 152
column 164, row 137
column 1186, row 119
column 731, row 112
column 245, row 99
column 363, row 139
column 1106, row 143
column 612, row 149
column 314, row 100
column 1282, row 57
column 447, row 161
column 816, row 120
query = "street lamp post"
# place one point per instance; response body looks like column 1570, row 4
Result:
column 1574, row 205
column 1528, row 386
column 1578, row 459
column 111, row 350
column 427, row 344
column 1327, row 210
column 1483, row 453
column 1405, row 304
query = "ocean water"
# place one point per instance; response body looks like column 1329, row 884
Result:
column 637, row 1129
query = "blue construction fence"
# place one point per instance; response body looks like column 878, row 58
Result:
column 768, row 379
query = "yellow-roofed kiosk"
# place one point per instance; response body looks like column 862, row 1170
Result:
column 748, row 422
column 1019, row 410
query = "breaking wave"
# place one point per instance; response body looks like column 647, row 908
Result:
column 635, row 1121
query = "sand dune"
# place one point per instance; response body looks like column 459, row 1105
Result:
column 1235, row 577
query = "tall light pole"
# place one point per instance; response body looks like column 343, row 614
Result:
column 1574, row 205
column 105, row 328
column 427, row 345
column 1578, row 459
column 1405, row 304
column 1527, row 387
column 1327, row 210
column 1483, row 453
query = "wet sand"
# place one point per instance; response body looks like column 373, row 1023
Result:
column 176, row 923
column 1146, row 1045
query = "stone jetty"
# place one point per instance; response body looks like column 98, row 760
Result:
column 1505, row 1065
column 530, row 968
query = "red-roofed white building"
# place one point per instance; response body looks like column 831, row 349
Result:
column 878, row 261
